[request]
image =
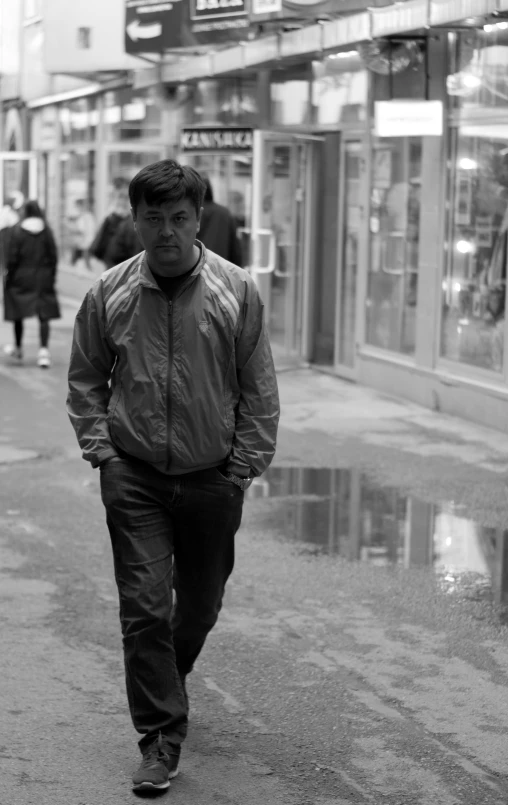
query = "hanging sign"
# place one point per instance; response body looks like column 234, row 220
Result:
column 217, row 15
column 216, row 139
column 155, row 26
column 408, row 118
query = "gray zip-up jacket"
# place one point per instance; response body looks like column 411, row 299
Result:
column 184, row 385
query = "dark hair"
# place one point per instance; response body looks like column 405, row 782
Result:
column 208, row 189
column 32, row 210
column 167, row 181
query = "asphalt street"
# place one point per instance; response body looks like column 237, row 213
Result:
column 341, row 672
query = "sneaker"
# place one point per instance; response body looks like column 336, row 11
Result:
column 44, row 358
column 13, row 352
column 158, row 767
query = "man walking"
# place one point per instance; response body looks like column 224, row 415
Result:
column 173, row 394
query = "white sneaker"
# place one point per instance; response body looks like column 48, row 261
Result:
column 44, row 358
column 14, row 352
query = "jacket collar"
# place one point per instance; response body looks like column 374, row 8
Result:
column 146, row 277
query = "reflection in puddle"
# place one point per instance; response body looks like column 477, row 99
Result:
column 340, row 512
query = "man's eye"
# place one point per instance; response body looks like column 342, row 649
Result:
column 154, row 220
column 179, row 219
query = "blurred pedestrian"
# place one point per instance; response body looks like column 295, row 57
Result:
column 30, row 282
column 103, row 243
column 173, row 394
column 9, row 217
column 125, row 242
column 83, row 233
column 217, row 229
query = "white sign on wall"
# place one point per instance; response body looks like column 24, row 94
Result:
column 408, row 118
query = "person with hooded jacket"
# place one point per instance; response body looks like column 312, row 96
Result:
column 30, row 281
column 173, row 395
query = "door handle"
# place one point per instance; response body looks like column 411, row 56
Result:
column 269, row 268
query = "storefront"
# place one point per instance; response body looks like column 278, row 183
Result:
column 381, row 255
column 84, row 145
column 266, row 178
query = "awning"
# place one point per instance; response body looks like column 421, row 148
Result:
column 399, row 18
column 347, row 31
column 443, row 12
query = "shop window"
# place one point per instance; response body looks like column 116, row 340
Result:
column 339, row 89
column 478, row 69
column 474, row 282
column 132, row 115
column 78, row 121
column 394, row 243
column 290, row 95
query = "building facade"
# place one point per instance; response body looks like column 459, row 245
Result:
column 379, row 245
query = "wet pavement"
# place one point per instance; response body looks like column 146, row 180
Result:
column 362, row 652
column 340, row 512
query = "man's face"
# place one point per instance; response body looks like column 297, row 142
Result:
column 168, row 232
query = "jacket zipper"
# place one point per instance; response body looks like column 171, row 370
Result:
column 168, row 385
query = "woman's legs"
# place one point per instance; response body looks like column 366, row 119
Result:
column 44, row 332
column 18, row 332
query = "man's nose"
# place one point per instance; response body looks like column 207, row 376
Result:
column 167, row 230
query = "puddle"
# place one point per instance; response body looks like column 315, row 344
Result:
column 342, row 513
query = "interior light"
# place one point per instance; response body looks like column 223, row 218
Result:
column 465, row 246
column 502, row 25
column 346, row 54
column 456, row 286
column 489, row 28
column 471, row 81
column 467, row 164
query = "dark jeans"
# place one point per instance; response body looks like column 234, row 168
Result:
column 167, row 532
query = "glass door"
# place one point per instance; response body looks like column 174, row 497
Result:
column 18, row 177
column 281, row 237
column 350, row 218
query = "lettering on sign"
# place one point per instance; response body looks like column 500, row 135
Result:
column 216, row 139
column 211, row 9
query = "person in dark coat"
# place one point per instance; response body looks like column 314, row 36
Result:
column 104, row 242
column 125, row 243
column 30, row 283
column 217, row 229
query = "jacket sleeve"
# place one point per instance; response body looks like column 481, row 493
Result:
column 90, row 368
column 258, row 410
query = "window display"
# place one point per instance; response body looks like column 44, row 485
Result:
column 475, row 271
column 394, row 243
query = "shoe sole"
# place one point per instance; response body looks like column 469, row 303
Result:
column 150, row 787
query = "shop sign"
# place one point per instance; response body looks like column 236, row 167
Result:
column 155, row 26
column 152, row 27
column 216, row 139
column 408, row 118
